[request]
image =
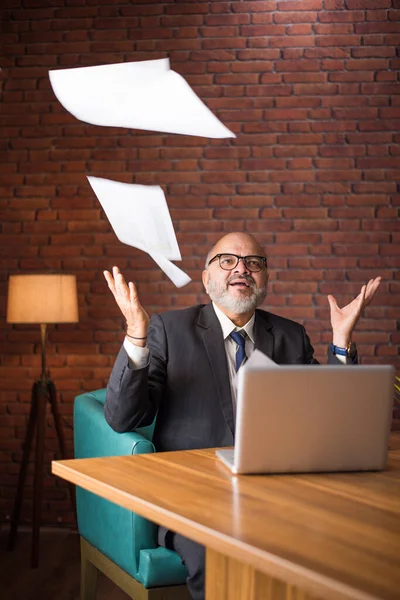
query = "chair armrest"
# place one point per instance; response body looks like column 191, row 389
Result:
column 93, row 437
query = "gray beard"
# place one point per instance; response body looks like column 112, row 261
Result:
column 220, row 295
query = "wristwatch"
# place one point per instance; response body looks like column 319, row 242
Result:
column 350, row 350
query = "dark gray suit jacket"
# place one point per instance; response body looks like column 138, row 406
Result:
column 187, row 381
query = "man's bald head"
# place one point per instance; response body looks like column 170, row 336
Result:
column 231, row 244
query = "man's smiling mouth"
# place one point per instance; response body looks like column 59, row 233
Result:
column 240, row 283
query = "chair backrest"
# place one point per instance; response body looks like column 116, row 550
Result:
column 100, row 395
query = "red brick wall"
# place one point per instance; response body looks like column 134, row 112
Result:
column 310, row 87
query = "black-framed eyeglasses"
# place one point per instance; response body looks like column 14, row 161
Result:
column 230, row 261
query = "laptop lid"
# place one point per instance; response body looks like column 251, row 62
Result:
column 293, row 419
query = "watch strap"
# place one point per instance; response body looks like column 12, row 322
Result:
column 338, row 350
column 350, row 350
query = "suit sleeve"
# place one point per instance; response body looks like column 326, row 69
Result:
column 308, row 350
column 134, row 395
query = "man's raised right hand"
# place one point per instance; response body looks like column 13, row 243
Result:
column 126, row 296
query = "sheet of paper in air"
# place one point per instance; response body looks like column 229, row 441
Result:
column 140, row 217
column 259, row 360
column 140, row 95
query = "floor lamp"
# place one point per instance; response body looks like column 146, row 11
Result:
column 39, row 299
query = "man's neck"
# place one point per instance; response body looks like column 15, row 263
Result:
column 238, row 319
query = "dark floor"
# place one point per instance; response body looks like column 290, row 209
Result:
column 58, row 574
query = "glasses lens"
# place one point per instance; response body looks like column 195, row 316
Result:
column 228, row 261
column 254, row 263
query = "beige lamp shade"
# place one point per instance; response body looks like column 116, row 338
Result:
column 42, row 299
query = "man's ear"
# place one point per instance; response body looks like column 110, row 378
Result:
column 205, row 277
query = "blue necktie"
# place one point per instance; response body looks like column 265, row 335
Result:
column 240, row 338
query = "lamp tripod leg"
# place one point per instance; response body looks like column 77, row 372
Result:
column 23, row 469
column 42, row 396
column 60, row 436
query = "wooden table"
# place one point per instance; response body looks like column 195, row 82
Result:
column 295, row 537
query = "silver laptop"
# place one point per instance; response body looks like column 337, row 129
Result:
column 305, row 419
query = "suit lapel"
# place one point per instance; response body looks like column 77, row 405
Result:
column 215, row 348
column 263, row 338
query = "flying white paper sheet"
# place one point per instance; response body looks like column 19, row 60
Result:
column 140, row 217
column 176, row 275
column 139, row 95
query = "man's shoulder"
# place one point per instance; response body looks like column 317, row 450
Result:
column 180, row 315
column 276, row 321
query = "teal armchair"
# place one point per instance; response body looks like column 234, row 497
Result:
column 114, row 540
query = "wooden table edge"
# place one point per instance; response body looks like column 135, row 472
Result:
column 277, row 567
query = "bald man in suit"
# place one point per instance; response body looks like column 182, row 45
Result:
column 181, row 365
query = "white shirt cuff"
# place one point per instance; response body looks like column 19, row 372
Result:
column 341, row 358
column 138, row 356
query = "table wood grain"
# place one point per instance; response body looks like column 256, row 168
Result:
column 334, row 536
